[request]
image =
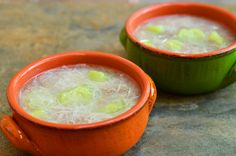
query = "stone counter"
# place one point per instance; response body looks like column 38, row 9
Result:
column 179, row 126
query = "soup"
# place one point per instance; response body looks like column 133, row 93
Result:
column 79, row 94
column 184, row 34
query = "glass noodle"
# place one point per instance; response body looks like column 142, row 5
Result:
column 79, row 94
column 184, row 34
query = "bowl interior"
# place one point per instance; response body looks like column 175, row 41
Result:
column 72, row 58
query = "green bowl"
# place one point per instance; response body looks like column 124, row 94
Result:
column 183, row 73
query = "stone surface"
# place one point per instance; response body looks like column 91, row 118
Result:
column 179, row 126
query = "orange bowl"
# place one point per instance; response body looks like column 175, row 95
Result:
column 110, row 137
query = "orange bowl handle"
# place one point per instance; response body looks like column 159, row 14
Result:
column 16, row 136
column 153, row 94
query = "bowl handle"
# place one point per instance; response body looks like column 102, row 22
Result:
column 16, row 136
column 153, row 94
column 123, row 37
column 230, row 77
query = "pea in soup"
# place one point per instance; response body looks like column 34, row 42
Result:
column 184, row 34
column 79, row 94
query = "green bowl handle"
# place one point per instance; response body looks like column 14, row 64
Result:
column 231, row 76
column 123, row 37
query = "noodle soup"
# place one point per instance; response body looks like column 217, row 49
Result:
column 79, row 94
column 184, row 34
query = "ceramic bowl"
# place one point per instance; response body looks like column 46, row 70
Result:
column 183, row 73
column 110, row 137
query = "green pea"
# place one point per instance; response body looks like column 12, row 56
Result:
column 114, row 106
column 174, row 45
column 156, row 29
column 147, row 42
column 216, row 38
column 76, row 95
column 39, row 113
column 97, row 76
column 191, row 35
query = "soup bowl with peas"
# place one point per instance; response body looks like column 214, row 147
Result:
column 78, row 103
column 187, row 48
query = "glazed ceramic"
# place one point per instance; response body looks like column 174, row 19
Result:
column 110, row 137
column 183, row 73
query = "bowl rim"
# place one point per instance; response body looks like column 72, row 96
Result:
column 175, row 54
column 14, row 104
